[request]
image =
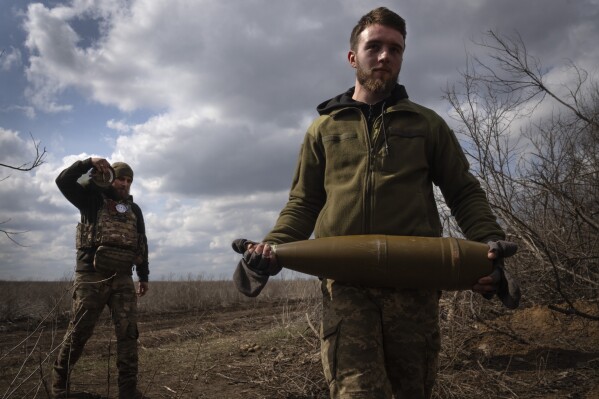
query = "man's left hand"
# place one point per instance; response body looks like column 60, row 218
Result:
column 142, row 288
column 499, row 282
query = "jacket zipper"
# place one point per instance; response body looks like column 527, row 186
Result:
column 368, row 195
column 372, row 155
column 369, row 181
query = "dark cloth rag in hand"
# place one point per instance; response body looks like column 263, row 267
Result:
column 508, row 288
column 252, row 271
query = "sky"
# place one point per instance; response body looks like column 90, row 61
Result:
column 208, row 101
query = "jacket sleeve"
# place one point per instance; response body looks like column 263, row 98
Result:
column 306, row 197
column 68, row 185
column 142, row 269
column 461, row 190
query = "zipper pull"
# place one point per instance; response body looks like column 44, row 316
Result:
column 386, row 149
column 371, row 160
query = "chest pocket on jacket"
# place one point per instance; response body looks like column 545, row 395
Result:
column 406, row 152
column 343, row 153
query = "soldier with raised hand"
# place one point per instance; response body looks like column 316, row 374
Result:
column 110, row 241
column 368, row 165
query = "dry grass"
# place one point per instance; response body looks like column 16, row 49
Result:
column 189, row 294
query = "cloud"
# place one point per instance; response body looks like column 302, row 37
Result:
column 193, row 154
column 120, row 126
column 26, row 110
column 9, row 59
column 180, row 55
column 196, row 237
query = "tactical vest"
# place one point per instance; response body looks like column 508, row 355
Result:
column 114, row 235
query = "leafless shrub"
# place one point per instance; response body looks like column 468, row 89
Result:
column 542, row 178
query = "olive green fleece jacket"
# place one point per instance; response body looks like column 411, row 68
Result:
column 350, row 180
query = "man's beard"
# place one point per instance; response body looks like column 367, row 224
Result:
column 119, row 194
column 375, row 85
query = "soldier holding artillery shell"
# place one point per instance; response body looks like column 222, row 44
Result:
column 367, row 166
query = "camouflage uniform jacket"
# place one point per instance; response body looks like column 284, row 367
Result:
column 89, row 200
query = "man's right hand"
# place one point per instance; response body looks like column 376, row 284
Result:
column 101, row 165
column 263, row 249
column 258, row 257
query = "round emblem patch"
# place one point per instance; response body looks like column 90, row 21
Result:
column 121, row 208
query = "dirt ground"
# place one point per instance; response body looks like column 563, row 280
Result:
column 260, row 350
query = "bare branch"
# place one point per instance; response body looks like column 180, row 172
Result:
column 523, row 73
column 37, row 161
column 10, row 234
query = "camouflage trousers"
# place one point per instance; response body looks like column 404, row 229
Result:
column 379, row 343
column 93, row 291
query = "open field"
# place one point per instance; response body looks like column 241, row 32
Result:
column 200, row 339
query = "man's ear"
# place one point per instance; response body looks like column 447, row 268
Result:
column 351, row 57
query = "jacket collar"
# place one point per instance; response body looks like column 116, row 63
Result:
column 345, row 100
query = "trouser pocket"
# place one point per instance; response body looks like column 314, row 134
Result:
column 328, row 349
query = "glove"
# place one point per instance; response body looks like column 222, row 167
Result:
column 247, row 281
column 253, row 261
column 240, row 245
column 503, row 249
column 508, row 288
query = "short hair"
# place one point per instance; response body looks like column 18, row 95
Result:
column 381, row 16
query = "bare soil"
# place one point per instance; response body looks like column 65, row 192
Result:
column 271, row 350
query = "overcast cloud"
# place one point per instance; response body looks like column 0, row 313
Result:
column 209, row 101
